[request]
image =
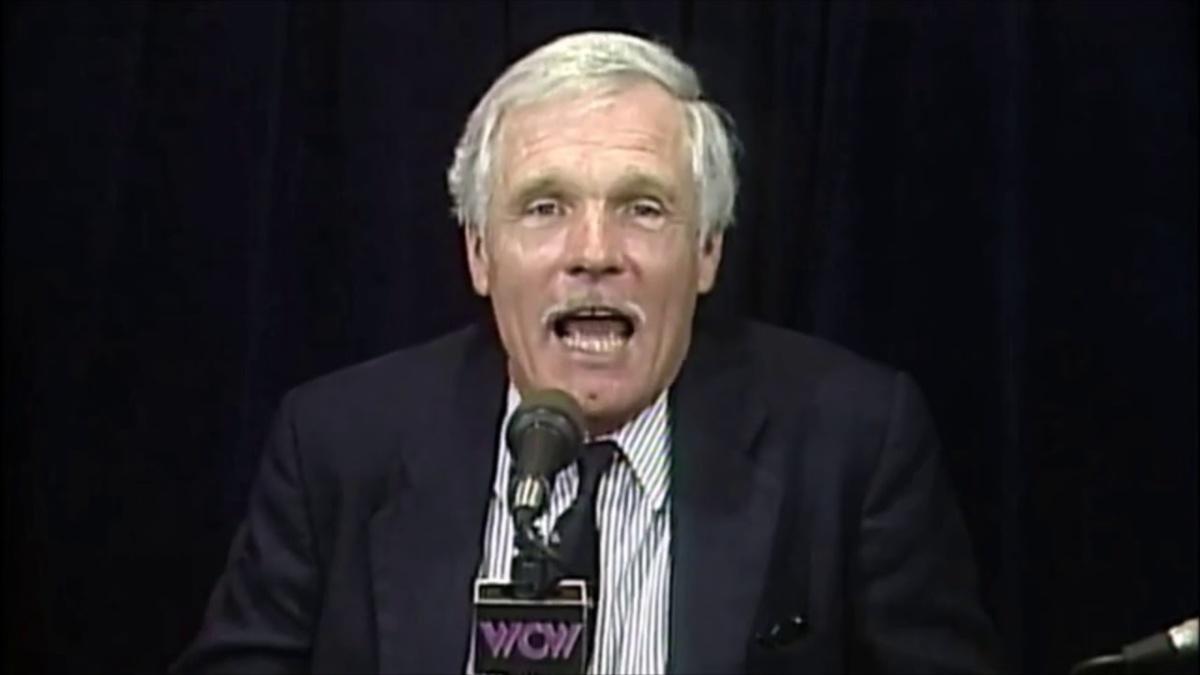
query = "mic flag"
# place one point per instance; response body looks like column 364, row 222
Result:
column 540, row 636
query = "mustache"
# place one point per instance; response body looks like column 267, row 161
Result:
column 579, row 301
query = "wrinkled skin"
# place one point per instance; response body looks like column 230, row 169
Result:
column 593, row 203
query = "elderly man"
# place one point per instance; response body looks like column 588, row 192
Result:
column 775, row 503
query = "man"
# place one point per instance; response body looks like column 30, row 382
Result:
column 775, row 503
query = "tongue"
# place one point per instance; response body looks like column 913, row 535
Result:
column 595, row 327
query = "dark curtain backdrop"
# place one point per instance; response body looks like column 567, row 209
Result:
column 206, row 204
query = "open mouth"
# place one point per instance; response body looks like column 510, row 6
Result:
column 594, row 329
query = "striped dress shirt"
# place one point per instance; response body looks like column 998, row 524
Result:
column 633, row 514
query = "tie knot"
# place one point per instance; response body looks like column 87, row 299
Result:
column 594, row 461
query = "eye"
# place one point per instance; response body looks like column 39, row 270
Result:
column 646, row 212
column 646, row 208
column 544, row 208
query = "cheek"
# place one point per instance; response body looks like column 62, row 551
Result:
column 520, row 273
column 670, row 272
column 524, row 253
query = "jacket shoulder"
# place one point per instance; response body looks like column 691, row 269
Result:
column 352, row 421
column 786, row 350
column 796, row 369
column 407, row 372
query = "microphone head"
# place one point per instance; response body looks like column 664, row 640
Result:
column 545, row 433
column 1183, row 636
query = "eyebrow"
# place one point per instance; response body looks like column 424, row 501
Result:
column 629, row 185
column 638, row 183
column 541, row 186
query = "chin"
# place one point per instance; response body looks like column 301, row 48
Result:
column 592, row 395
column 606, row 413
column 607, row 397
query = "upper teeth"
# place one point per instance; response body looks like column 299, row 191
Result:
column 596, row 311
column 595, row 345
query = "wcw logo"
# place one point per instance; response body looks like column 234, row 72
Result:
column 534, row 640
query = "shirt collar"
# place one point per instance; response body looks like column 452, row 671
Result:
column 645, row 443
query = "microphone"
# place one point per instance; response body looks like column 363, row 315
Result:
column 544, row 435
column 1159, row 652
column 1174, row 643
column 538, row 624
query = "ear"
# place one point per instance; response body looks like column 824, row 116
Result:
column 477, row 258
column 709, row 258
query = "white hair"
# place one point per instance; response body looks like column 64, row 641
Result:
column 584, row 62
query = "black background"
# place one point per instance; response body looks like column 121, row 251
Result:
column 205, row 204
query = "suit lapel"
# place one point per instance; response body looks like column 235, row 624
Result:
column 724, row 507
column 426, row 541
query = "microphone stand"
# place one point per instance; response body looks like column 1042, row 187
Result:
column 1097, row 665
column 537, row 568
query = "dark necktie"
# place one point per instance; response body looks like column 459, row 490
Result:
column 578, row 539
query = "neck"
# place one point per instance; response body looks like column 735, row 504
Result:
column 602, row 426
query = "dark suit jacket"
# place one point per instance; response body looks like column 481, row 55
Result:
column 806, row 497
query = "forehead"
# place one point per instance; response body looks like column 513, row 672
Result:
column 636, row 127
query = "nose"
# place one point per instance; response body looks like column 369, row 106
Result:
column 593, row 247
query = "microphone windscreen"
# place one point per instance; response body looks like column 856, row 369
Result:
column 545, row 432
column 554, row 399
